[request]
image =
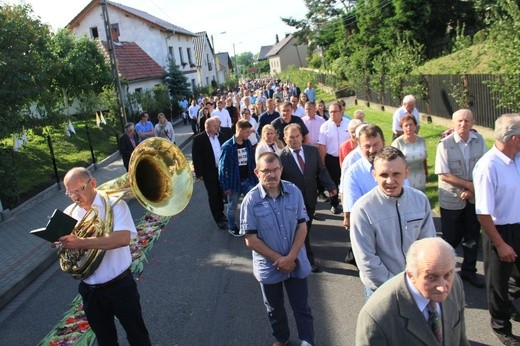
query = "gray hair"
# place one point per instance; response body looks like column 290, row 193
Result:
column 408, row 99
column 354, row 123
column 129, row 126
column 507, row 126
column 419, row 247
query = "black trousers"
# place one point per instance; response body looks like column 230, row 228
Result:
column 215, row 197
column 308, row 249
column 497, row 274
column 120, row 300
column 332, row 164
column 462, row 226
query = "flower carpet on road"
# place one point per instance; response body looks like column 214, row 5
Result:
column 74, row 329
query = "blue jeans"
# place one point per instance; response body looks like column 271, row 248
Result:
column 233, row 198
column 298, row 293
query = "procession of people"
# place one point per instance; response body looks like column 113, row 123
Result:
column 260, row 151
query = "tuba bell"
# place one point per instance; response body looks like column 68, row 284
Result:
column 159, row 177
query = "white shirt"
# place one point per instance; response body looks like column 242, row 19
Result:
column 420, row 300
column 399, row 114
column 215, row 145
column 299, row 112
column 193, row 111
column 350, row 159
column 115, row 261
column 295, row 157
column 497, row 186
column 313, row 125
column 225, row 118
column 357, row 181
column 332, row 135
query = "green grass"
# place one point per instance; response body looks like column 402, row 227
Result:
column 431, row 134
column 33, row 161
column 473, row 60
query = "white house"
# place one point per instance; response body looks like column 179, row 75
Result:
column 224, row 67
column 204, row 59
column 286, row 52
column 161, row 40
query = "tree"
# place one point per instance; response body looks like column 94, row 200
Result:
column 402, row 62
column 24, row 57
column 177, row 82
column 505, row 43
column 80, row 66
column 178, row 86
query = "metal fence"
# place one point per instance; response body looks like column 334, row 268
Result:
column 444, row 94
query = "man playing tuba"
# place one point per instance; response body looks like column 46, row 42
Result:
column 108, row 290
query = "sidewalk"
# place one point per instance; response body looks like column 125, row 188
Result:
column 25, row 256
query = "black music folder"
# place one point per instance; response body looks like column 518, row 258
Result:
column 59, row 225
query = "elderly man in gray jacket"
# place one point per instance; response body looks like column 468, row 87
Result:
column 387, row 220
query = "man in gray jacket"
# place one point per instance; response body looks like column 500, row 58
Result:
column 424, row 305
column 456, row 156
column 387, row 220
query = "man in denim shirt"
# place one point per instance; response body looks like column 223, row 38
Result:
column 273, row 219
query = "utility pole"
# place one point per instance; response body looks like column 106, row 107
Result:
column 113, row 62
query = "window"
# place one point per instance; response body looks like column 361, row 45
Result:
column 188, row 51
column 193, row 85
column 171, row 57
column 114, row 30
column 207, row 80
column 138, row 90
column 94, row 32
column 181, row 57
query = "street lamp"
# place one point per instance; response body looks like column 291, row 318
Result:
column 237, row 72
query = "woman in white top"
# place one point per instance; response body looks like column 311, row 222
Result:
column 268, row 142
column 164, row 128
column 414, row 149
column 253, row 137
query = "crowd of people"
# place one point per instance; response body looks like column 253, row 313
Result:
column 282, row 151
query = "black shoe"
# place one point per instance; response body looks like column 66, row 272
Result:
column 234, row 232
column 222, row 224
column 335, row 210
column 349, row 258
column 515, row 316
column 508, row 339
column 318, row 217
column 473, row 279
column 322, row 197
column 315, row 268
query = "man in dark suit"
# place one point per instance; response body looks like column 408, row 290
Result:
column 424, row 305
column 302, row 166
column 205, row 156
column 127, row 143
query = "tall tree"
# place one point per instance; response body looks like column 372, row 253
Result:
column 505, row 43
column 24, row 57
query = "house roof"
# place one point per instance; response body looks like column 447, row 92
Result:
column 198, row 46
column 223, row 60
column 133, row 62
column 277, row 47
column 132, row 11
column 263, row 52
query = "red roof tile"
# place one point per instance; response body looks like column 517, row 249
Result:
column 133, row 62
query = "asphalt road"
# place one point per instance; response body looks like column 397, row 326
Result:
column 198, row 289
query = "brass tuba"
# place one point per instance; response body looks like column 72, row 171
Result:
column 159, row 177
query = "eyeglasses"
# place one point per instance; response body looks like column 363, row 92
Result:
column 269, row 171
column 78, row 191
